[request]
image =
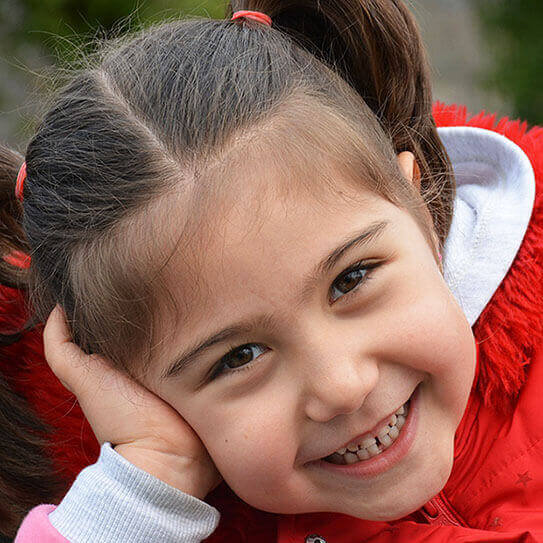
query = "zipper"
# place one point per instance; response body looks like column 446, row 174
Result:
column 439, row 511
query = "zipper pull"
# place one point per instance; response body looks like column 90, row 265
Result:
column 439, row 513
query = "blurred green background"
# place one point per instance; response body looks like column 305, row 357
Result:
column 486, row 54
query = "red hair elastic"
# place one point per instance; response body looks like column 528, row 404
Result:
column 18, row 258
column 255, row 15
column 20, row 181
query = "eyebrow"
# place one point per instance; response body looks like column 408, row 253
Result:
column 358, row 239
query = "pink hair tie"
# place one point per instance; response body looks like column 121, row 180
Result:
column 255, row 15
column 20, row 181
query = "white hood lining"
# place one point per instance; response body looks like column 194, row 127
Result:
column 493, row 205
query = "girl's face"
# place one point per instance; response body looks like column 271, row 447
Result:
column 330, row 339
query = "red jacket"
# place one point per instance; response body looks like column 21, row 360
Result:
column 495, row 491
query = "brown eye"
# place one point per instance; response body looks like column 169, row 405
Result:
column 347, row 281
column 241, row 356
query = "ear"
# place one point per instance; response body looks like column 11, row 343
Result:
column 409, row 167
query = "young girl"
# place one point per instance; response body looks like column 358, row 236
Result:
column 283, row 321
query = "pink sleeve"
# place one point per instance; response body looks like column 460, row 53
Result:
column 37, row 528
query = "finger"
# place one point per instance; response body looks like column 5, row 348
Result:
column 56, row 340
column 118, row 408
column 76, row 370
column 55, row 332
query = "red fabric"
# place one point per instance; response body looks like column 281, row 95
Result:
column 492, row 492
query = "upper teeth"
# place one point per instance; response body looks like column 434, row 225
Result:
column 391, row 429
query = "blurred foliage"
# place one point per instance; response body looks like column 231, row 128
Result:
column 65, row 29
column 40, row 36
column 514, row 31
column 64, row 26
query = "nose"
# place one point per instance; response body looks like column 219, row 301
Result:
column 337, row 383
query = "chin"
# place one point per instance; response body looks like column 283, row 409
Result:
column 397, row 513
column 383, row 512
column 404, row 502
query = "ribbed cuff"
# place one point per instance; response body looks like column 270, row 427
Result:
column 113, row 501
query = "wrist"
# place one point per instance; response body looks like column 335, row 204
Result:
column 183, row 473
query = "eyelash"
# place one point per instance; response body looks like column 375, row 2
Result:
column 220, row 370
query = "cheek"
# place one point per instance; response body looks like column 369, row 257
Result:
column 441, row 344
column 450, row 345
column 424, row 329
column 428, row 321
column 253, row 447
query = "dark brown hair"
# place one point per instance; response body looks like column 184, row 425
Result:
column 148, row 129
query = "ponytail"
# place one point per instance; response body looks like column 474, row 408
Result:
column 27, row 476
column 13, row 245
column 376, row 46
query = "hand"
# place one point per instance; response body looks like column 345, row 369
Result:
column 142, row 427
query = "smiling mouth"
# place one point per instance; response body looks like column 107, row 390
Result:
column 366, row 447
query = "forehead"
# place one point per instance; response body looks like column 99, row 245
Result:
column 269, row 229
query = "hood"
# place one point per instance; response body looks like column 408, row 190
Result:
column 494, row 201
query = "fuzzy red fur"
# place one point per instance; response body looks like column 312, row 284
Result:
column 508, row 329
column 511, row 324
